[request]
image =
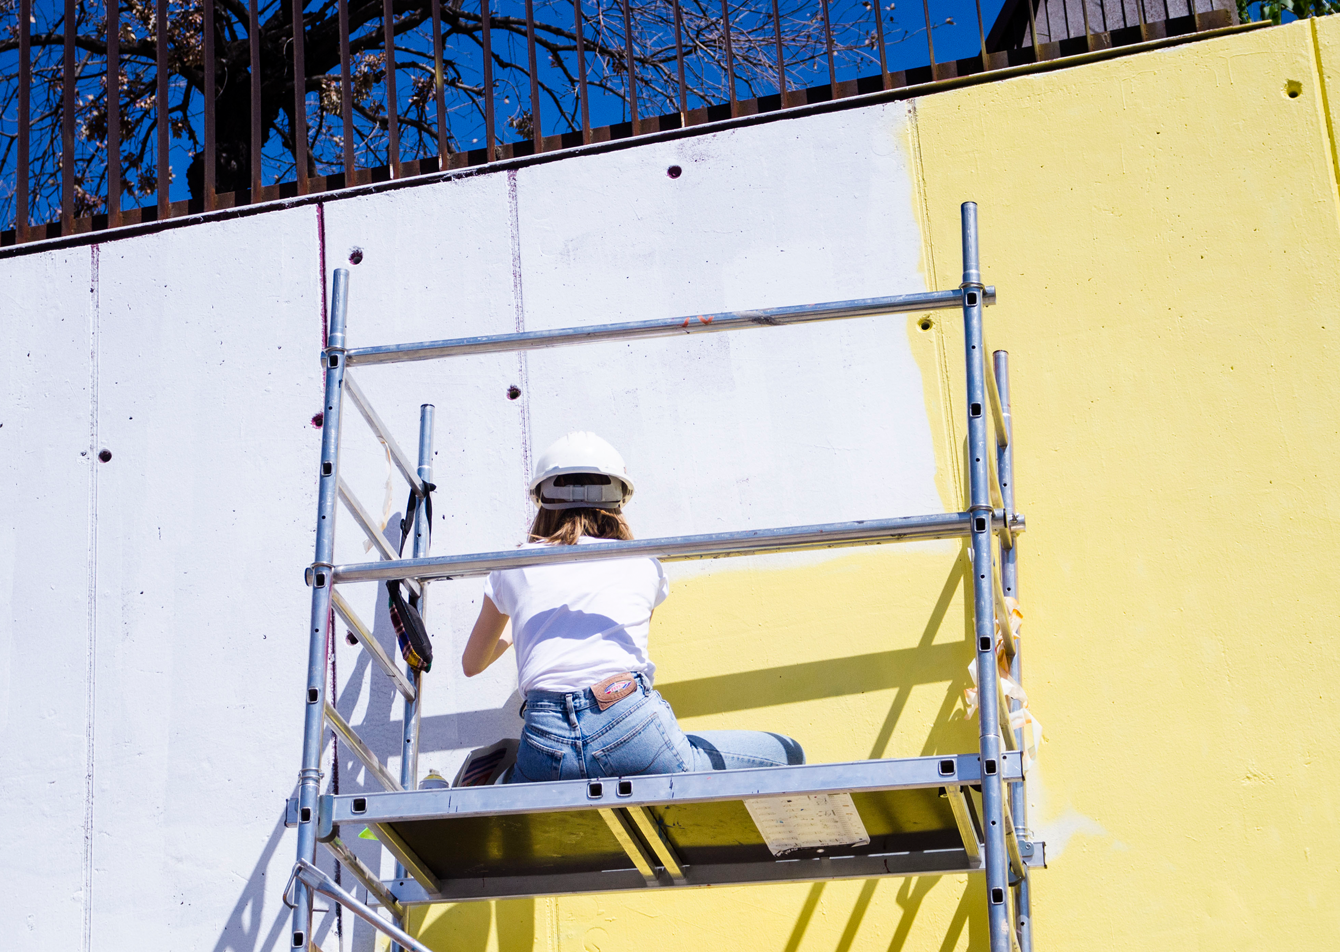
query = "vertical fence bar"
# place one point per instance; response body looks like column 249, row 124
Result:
column 630, row 67
column 1047, row 14
column 67, row 120
column 730, row 56
column 1009, row 583
column 581, row 73
column 679, row 65
column 161, row 119
column 781, row 58
column 321, row 581
column 113, row 114
column 25, row 121
column 347, row 92
column 211, row 133
column 300, row 96
column 1102, row 13
column 254, row 38
column 486, row 20
column 439, row 84
column 1033, row 27
column 879, row 37
column 930, row 42
column 981, row 32
column 984, row 609
column 828, row 43
column 392, row 104
column 536, row 129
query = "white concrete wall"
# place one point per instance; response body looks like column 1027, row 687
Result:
column 152, row 643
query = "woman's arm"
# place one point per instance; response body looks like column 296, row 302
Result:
column 487, row 643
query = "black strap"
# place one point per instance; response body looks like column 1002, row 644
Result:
column 407, row 523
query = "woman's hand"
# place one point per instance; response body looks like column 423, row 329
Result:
column 487, row 642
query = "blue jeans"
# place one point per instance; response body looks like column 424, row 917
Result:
column 568, row 737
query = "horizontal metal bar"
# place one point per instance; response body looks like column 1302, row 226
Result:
column 908, row 773
column 949, row 525
column 788, row 870
column 364, row 875
column 320, row 882
column 663, row 327
column 364, row 753
column 372, row 646
column 407, row 469
column 998, row 412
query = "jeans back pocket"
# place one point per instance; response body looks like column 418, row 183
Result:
column 644, row 748
column 536, row 762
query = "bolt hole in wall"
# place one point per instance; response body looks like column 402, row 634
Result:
column 513, row 392
column 318, row 419
column 674, row 171
column 926, row 324
column 356, row 256
column 1293, row 88
column 105, row 456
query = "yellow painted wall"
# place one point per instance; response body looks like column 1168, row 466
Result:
column 1164, row 229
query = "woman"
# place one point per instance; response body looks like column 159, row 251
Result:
column 580, row 631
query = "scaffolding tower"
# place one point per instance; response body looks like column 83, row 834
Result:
column 965, row 813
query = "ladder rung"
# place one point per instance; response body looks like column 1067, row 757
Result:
column 364, row 875
column 364, row 753
column 407, row 469
column 372, row 646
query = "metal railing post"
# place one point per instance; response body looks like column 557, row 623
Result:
column 984, row 608
column 1009, row 580
column 321, row 579
column 409, row 750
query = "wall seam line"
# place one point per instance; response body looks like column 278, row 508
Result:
column 519, row 313
column 90, row 697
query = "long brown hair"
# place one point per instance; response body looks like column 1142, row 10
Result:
column 566, row 526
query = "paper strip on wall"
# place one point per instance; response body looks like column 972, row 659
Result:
column 793, row 823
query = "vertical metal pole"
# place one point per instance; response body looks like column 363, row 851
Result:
column 879, row 35
column 439, row 84
column 828, row 41
column 630, row 67
column 679, row 65
column 1009, row 580
column 67, row 120
column 930, row 41
column 984, row 609
column 486, row 21
column 392, row 103
column 309, row 778
column 581, row 73
column 161, row 106
column 347, row 93
column 299, row 97
column 536, row 127
column 211, row 124
column 21, row 170
column 257, row 142
column 113, row 114
column 781, row 58
column 730, row 58
column 409, row 750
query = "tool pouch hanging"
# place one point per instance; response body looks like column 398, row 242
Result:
column 411, row 635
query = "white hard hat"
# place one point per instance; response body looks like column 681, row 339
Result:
column 580, row 452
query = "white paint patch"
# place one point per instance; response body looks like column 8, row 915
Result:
column 1057, row 833
column 184, row 590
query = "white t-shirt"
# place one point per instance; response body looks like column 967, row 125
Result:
column 577, row 623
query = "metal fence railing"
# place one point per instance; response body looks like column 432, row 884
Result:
column 108, row 120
